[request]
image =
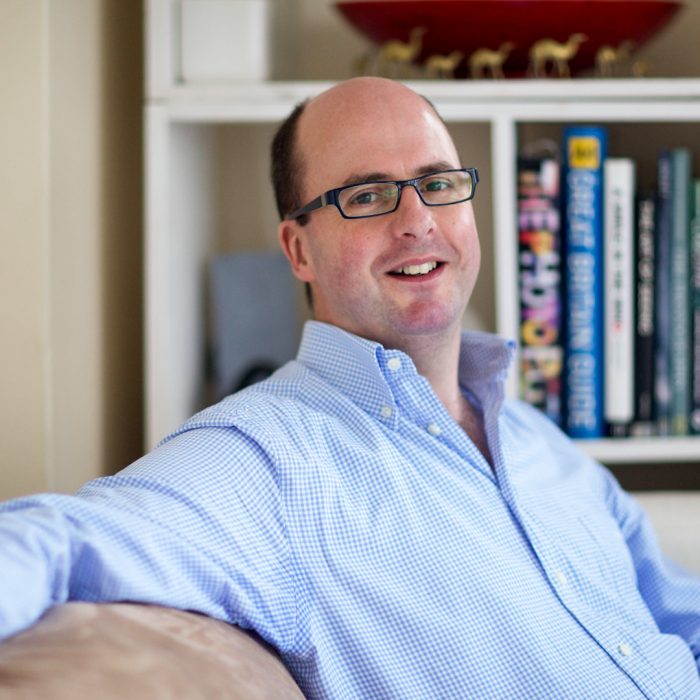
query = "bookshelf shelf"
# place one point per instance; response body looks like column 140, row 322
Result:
column 643, row 450
column 196, row 134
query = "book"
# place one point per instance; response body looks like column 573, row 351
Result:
column 662, row 299
column 695, row 307
column 584, row 150
column 539, row 247
column 619, row 331
column 644, row 317
column 679, row 341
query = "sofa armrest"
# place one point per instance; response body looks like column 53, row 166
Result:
column 105, row 651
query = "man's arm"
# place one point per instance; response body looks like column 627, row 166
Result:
column 197, row 525
column 671, row 593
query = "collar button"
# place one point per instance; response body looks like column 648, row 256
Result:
column 394, row 364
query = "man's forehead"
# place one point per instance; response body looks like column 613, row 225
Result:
column 348, row 134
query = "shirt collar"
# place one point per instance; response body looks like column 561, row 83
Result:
column 359, row 367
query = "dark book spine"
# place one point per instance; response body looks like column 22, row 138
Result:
column 644, row 313
column 540, row 284
column 662, row 338
column 584, row 151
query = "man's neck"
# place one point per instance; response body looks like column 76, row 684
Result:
column 439, row 364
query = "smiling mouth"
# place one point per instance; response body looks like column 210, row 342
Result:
column 416, row 270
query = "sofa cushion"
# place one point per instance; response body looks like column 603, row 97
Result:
column 105, row 651
column 676, row 519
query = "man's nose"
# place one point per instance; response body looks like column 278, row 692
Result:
column 412, row 217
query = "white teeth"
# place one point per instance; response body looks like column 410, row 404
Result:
column 423, row 269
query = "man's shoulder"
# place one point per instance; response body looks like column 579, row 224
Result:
column 282, row 403
column 262, row 400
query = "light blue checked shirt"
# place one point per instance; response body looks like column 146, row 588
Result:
column 339, row 511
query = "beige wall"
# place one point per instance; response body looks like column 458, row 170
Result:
column 70, row 267
column 23, row 250
column 70, row 222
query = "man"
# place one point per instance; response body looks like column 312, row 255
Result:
column 376, row 510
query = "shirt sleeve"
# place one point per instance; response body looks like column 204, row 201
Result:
column 197, row 524
column 671, row 593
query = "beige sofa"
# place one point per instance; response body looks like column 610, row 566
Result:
column 110, row 651
column 138, row 652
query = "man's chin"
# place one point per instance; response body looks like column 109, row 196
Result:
column 428, row 322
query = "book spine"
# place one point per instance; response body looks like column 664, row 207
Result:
column 695, row 307
column 645, row 318
column 584, row 152
column 541, row 352
column 662, row 380
column 618, row 204
column 679, row 342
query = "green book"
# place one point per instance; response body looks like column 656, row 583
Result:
column 695, row 306
column 679, row 280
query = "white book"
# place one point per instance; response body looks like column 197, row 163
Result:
column 619, row 196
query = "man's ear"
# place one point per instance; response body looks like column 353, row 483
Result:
column 294, row 242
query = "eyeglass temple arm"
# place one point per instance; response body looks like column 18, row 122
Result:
column 320, row 201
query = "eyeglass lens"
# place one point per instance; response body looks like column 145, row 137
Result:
column 372, row 198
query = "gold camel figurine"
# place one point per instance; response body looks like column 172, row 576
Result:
column 609, row 60
column 487, row 59
column 640, row 69
column 548, row 50
column 438, row 66
column 396, row 54
column 362, row 64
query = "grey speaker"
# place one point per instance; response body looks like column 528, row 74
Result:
column 255, row 317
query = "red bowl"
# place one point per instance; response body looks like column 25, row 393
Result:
column 467, row 25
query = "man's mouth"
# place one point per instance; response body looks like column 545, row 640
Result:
column 415, row 270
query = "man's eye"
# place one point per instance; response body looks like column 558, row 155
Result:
column 437, row 184
column 365, row 197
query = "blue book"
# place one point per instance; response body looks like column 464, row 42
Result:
column 584, row 151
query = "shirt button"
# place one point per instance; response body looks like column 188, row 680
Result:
column 434, row 429
column 560, row 577
column 386, row 411
column 394, row 364
column 625, row 649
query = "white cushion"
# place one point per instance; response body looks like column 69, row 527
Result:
column 676, row 517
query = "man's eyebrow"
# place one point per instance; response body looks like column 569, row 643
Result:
column 360, row 178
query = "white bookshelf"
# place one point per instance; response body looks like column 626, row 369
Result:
column 184, row 127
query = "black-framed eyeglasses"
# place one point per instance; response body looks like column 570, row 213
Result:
column 368, row 199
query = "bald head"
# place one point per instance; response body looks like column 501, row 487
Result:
column 354, row 101
column 330, row 119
